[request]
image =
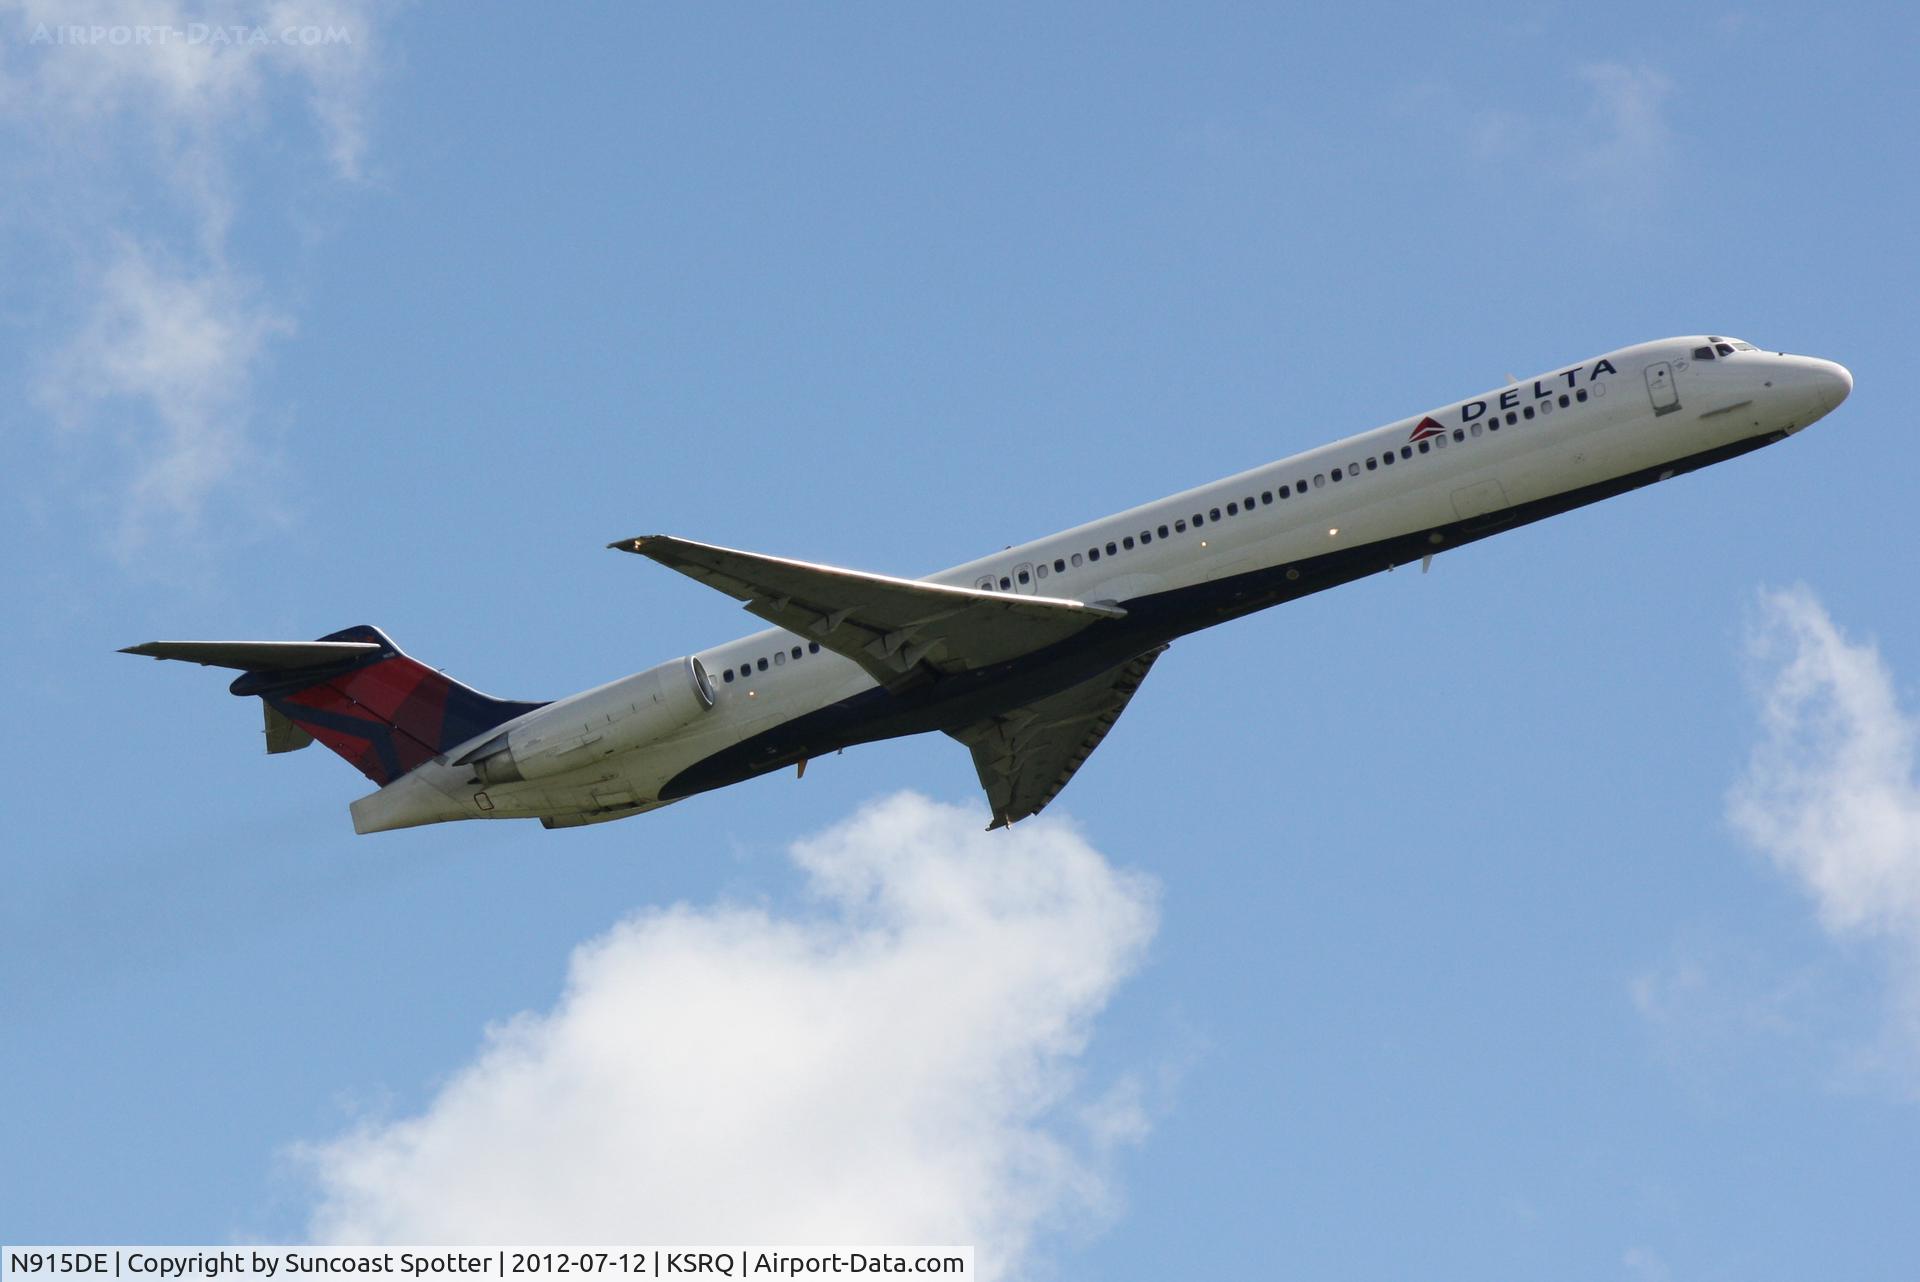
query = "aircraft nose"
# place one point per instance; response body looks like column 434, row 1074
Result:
column 1833, row 383
column 1811, row 388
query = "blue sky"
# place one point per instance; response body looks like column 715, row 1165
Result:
column 1557, row 911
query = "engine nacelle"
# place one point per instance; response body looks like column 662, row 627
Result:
column 586, row 727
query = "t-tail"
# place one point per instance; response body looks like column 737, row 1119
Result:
column 356, row 692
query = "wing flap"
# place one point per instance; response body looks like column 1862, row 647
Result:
column 889, row 626
column 1024, row 757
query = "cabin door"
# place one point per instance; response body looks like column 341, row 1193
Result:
column 1660, row 389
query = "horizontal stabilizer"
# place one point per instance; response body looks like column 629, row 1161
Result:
column 257, row 656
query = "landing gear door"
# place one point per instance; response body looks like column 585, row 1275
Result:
column 1660, row 389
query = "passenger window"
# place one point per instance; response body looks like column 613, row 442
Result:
column 813, row 647
column 1285, row 492
column 1439, row 441
column 1060, row 565
column 1266, row 498
column 727, row 675
column 796, row 652
column 1336, row 473
column 1580, row 395
column 1564, row 401
column 1387, row 458
column 1233, row 509
column 1025, row 577
column 984, row 583
column 1373, row 465
column 1527, row 412
column 1111, row 549
column 1319, row 480
column 1512, row 418
column 1424, row 446
column 1474, row 430
column 1213, row 513
column 1163, row 531
column 779, row 658
column 1040, row 570
column 1093, row 554
column 1247, row 503
column 761, row 664
column 1146, row 537
column 1127, row 543
column 1198, row 520
column 1076, row 559
column 1180, row 527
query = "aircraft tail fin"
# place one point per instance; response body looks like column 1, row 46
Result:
column 356, row 692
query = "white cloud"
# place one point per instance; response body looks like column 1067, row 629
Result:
column 138, row 111
column 1625, row 146
column 1610, row 146
column 899, row 1066
column 1643, row 1263
column 1831, row 794
column 193, row 73
column 185, row 345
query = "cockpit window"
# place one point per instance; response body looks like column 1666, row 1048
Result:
column 1703, row 353
column 1739, row 346
column 1725, row 349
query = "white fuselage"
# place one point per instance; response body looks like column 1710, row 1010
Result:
column 1573, row 430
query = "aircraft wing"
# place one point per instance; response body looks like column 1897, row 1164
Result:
column 1026, row 756
column 888, row 626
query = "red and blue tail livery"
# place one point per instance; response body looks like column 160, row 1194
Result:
column 356, row 692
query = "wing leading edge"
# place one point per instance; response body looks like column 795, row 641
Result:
column 890, row 627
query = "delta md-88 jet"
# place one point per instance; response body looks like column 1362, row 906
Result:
column 1027, row 656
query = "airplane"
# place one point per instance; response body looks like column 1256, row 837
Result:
column 1027, row 656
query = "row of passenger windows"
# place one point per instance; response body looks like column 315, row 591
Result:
column 1374, row 463
column 761, row 664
